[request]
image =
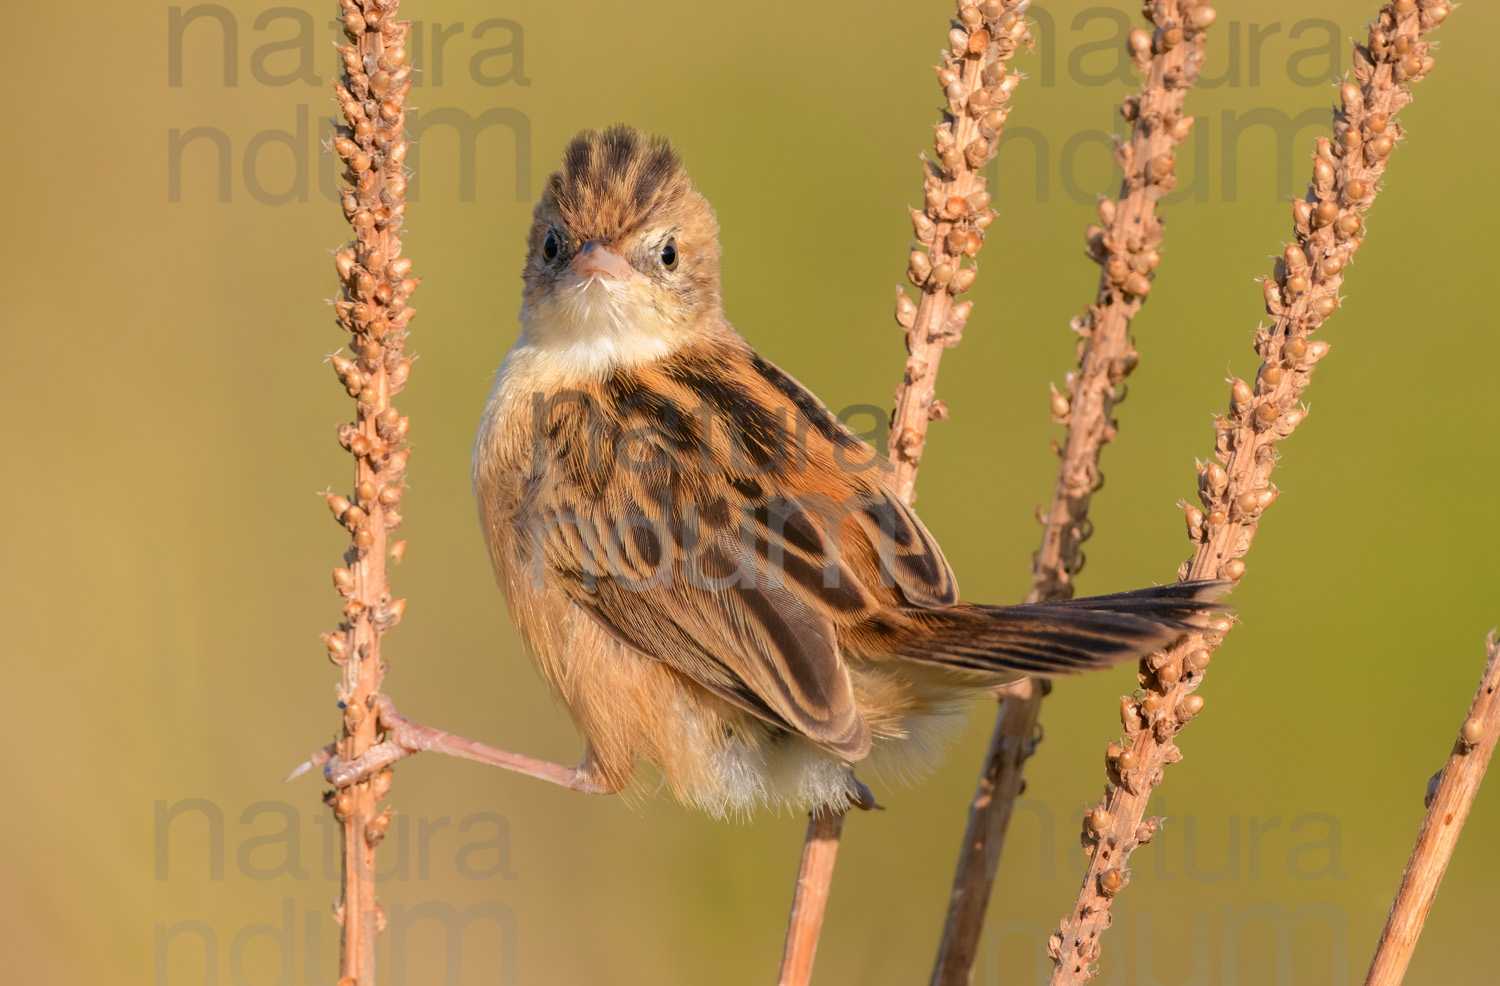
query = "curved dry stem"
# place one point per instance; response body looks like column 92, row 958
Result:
column 1448, row 803
column 949, row 227
column 1235, row 485
column 373, row 309
column 1127, row 249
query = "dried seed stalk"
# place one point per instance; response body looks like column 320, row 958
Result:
column 1126, row 247
column 373, row 309
column 1448, row 806
column 949, row 227
column 1235, row 485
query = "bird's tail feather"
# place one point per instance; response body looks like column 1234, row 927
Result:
column 1060, row 637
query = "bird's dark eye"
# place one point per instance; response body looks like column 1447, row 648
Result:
column 549, row 246
column 669, row 254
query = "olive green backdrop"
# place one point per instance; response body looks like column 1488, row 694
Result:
column 169, row 419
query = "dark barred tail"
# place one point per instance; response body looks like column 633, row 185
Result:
column 1062, row 637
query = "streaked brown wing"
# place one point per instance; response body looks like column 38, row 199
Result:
column 712, row 608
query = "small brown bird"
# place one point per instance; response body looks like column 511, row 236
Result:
column 709, row 568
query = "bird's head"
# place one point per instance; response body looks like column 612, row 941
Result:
column 623, row 253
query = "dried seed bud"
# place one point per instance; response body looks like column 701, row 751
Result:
column 337, row 504
column 1203, row 17
column 1150, row 259
column 1376, row 122
column 365, row 491
column 360, row 445
column 1196, row 660
column 1194, row 518
column 1161, row 167
column 1189, row 707
column 1116, row 269
column 1296, row 258
column 343, row 804
column 978, row 152
column 354, row 713
column 919, row 267
column 979, row 41
column 1322, row 173
column 1060, row 406
column 1099, row 820
column 1125, row 762
column 1302, row 214
column 1317, row 350
column 1325, row 212
column 1332, row 266
column 1168, row 674
column 1233, row 570
column 1266, row 414
column 1171, row 37
column 1151, row 705
column 398, row 552
column 956, row 207
column 963, row 279
column 364, row 539
column 906, row 310
column 354, row 516
column 1130, row 714
column 380, row 784
column 1355, row 189
column 1324, row 306
column 1381, row 146
column 946, row 76
column 958, row 40
column 1473, row 731
column 1217, row 477
column 1139, row 42
column 942, row 273
column 1296, row 347
column 922, row 226
column 343, row 579
column 1296, row 284
column 1245, row 502
column 338, row 651
column 1137, row 284
column 1239, row 395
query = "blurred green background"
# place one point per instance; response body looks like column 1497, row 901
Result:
column 172, row 418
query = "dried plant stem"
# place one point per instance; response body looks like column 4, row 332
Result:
column 373, row 310
column 1447, row 808
column 949, row 227
column 814, row 877
column 1126, row 248
column 1011, row 744
column 1235, row 485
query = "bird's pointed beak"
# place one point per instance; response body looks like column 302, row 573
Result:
column 596, row 262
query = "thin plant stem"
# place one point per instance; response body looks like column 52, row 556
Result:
column 1126, row 247
column 949, row 228
column 1448, row 801
column 1234, row 485
column 373, row 311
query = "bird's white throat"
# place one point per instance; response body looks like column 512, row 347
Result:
column 587, row 330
